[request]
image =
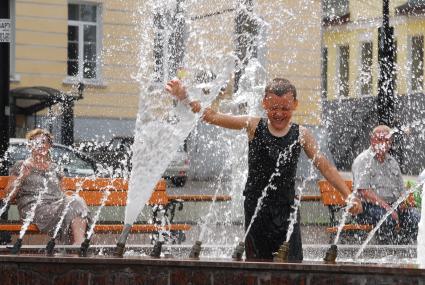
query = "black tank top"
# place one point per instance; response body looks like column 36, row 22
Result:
column 263, row 153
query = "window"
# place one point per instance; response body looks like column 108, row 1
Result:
column 335, row 11
column 83, row 41
column 416, row 2
column 343, row 71
column 12, row 57
column 365, row 78
column 324, row 73
column 411, row 7
column 417, row 64
column 395, row 65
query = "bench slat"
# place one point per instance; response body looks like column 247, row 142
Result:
column 136, row 228
column 331, row 196
column 200, row 198
column 350, row 227
column 92, row 191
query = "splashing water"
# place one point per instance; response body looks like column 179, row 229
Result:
column 15, row 187
column 297, row 202
column 105, row 197
column 345, row 215
column 157, row 139
column 29, row 217
column 163, row 229
column 269, row 186
column 349, row 205
column 381, row 221
column 421, row 234
column 65, row 211
column 207, row 217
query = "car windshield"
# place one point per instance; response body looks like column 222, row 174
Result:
column 71, row 164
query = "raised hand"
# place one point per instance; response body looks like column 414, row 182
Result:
column 208, row 115
column 176, row 88
column 356, row 207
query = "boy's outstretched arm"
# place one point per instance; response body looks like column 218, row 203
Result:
column 176, row 88
column 326, row 168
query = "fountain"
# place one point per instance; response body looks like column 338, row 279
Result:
column 161, row 126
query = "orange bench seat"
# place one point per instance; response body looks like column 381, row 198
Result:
column 93, row 191
column 335, row 202
column 102, row 228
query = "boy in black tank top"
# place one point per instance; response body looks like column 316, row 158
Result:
column 272, row 141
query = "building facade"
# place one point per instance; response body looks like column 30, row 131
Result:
column 60, row 44
column 350, row 76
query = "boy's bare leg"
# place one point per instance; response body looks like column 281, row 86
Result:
column 78, row 226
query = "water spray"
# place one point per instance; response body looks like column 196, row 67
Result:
column 238, row 252
column 16, row 247
column 52, row 242
column 28, row 219
column 389, row 212
column 15, row 187
column 269, row 186
column 119, row 249
column 50, row 247
column 282, row 254
column 332, row 253
column 84, row 248
column 86, row 243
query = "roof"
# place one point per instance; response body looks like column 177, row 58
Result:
column 29, row 100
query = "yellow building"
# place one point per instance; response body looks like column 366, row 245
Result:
column 59, row 44
column 350, row 42
column 350, row 77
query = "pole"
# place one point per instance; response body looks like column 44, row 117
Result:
column 246, row 31
column 68, row 121
column 158, row 48
column 386, row 52
column 5, row 32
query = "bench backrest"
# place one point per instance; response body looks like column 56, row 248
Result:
column 331, row 196
column 92, row 190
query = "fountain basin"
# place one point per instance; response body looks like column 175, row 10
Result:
column 68, row 268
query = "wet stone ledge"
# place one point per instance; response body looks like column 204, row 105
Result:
column 106, row 270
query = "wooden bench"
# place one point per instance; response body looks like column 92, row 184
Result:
column 93, row 190
column 335, row 202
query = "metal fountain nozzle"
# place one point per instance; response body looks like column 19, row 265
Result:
column 16, row 247
column 331, row 254
column 156, row 251
column 84, row 247
column 119, row 249
column 50, row 247
column 238, row 252
column 196, row 250
column 282, row 254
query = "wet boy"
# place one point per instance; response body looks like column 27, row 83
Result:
column 271, row 139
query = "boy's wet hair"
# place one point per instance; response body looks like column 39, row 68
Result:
column 280, row 87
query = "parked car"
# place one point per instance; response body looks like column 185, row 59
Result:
column 178, row 168
column 74, row 163
column 117, row 155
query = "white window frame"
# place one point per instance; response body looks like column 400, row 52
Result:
column 337, row 69
column 80, row 24
column 360, row 66
column 410, row 63
column 13, row 76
